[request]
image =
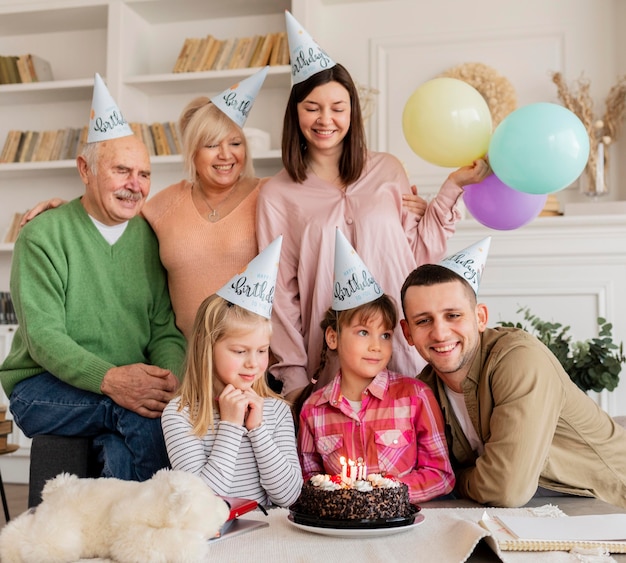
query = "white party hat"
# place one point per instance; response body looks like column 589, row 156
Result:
column 105, row 119
column 253, row 289
column 236, row 101
column 354, row 285
column 469, row 263
column 306, row 56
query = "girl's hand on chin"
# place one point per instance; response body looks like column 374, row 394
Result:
column 233, row 405
column 254, row 417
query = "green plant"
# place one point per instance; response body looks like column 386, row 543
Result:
column 593, row 364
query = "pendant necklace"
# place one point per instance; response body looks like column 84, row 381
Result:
column 214, row 216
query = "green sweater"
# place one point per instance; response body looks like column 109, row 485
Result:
column 85, row 306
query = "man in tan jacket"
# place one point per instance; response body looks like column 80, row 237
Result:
column 514, row 419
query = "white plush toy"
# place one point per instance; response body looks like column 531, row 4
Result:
column 169, row 518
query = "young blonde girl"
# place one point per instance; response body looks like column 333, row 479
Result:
column 389, row 421
column 226, row 425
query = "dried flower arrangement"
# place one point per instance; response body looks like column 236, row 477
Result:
column 602, row 131
column 495, row 88
column 367, row 96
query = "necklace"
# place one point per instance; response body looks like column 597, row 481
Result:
column 214, row 216
column 335, row 181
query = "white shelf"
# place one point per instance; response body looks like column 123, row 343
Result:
column 47, row 92
column 190, row 82
column 166, row 11
column 55, row 17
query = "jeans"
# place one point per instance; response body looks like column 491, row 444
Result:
column 132, row 446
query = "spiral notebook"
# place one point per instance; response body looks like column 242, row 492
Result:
column 528, row 533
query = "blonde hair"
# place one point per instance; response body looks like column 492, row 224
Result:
column 201, row 124
column 215, row 320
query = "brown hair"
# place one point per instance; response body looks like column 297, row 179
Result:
column 202, row 123
column 433, row 274
column 216, row 319
column 383, row 305
column 294, row 147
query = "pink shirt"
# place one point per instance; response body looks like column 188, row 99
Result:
column 399, row 430
column 199, row 256
column 388, row 239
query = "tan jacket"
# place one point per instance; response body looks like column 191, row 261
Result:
column 537, row 426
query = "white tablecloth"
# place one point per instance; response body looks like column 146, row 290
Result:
column 447, row 535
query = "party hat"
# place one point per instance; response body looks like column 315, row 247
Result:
column 253, row 289
column 306, row 56
column 469, row 263
column 105, row 119
column 236, row 101
column 354, row 285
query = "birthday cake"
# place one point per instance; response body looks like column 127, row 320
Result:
column 375, row 497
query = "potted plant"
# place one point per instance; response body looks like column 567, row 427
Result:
column 593, row 364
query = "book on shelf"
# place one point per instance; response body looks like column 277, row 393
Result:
column 14, row 228
column 176, row 137
column 188, row 45
column 29, row 141
column 169, row 137
column 160, row 140
column 532, row 533
column 148, row 139
column 10, row 73
column 7, row 311
column 211, row 55
column 222, row 61
column 44, row 147
column 11, row 146
column 242, row 52
column 194, row 60
column 40, row 69
column 23, row 69
column 254, row 55
column 206, row 44
column 265, row 51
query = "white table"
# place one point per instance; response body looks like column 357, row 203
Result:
column 447, row 535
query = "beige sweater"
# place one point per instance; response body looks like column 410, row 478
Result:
column 199, row 256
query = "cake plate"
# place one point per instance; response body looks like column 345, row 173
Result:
column 354, row 528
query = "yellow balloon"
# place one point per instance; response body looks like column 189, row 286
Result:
column 447, row 122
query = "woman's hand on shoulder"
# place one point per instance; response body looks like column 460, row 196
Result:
column 472, row 174
column 40, row 208
column 414, row 203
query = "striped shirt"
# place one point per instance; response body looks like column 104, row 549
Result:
column 260, row 464
column 398, row 431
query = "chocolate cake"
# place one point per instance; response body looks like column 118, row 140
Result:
column 329, row 498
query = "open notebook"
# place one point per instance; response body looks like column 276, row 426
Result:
column 522, row 533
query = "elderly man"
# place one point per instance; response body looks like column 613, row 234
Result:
column 97, row 352
column 514, row 418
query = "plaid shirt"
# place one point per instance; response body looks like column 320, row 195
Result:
column 398, row 431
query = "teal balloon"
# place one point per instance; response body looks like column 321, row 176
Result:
column 539, row 148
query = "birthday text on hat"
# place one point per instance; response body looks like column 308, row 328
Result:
column 116, row 119
column 242, row 106
column 314, row 56
column 352, row 285
column 259, row 290
column 470, row 273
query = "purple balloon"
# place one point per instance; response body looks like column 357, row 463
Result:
column 499, row 207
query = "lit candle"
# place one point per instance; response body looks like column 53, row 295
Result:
column 351, row 471
column 344, row 469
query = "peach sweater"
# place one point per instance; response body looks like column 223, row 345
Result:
column 200, row 257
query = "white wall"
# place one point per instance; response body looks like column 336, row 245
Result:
column 524, row 41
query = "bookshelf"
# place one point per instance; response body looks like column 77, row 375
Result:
column 134, row 45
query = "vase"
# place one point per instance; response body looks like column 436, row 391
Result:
column 595, row 173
